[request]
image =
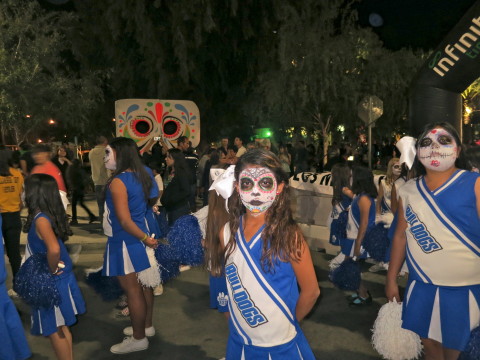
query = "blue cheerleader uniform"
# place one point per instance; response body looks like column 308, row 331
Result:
column 46, row 321
column 262, row 305
column 218, row 293
column 337, row 224
column 13, row 343
column 347, row 245
column 443, row 257
column 125, row 253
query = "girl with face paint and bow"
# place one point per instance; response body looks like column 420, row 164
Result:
column 129, row 191
column 438, row 232
column 265, row 258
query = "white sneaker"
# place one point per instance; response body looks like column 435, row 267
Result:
column 158, row 290
column 129, row 344
column 377, row 267
column 12, row 293
column 148, row 331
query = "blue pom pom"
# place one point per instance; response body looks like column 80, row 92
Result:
column 35, row 284
column 376, row 242
column 167, row 258
column 186, row 237
column 107, row 287
column 346, row 276
column 472, row 351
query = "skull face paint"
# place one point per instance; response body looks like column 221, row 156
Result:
column 438, row 150
column 109, row 158
column 257, row 188
column 396, row 169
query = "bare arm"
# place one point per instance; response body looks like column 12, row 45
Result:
column 393, row 200
column 120, row 204
column 397, row 256
column 307, row 281
column 364, row 204
column 477, row 195
column 45, row 232
column 379, row 199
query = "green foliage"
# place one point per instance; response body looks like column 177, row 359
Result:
column 36, row 79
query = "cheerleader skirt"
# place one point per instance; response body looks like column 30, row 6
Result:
column 348, row 246
column 13, row 343
column 46, row 321
column 446, row 314
column 296, row 349
column 218, row 293
column 124, row 257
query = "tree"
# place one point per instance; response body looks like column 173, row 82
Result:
column 37, row 79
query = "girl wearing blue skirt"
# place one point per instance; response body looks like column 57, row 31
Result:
column 47, row 229
column 271, row 281
column 13, row 343
column 438, row 233
column 129, row 191
column 342, row 198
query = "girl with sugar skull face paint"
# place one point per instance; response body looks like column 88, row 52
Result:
column 438, row 233
column 263, row 248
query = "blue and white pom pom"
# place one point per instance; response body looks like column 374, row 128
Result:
column 107, row 287
column 472, row 351
column 35, row 284
column 167, row 258
column 150, row 277
column 186, row 237
column 346, row 276
column 376, row 242
column 336, row 261
column 390, row 339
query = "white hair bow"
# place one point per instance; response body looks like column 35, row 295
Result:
column 406, row 145
column 223, row 184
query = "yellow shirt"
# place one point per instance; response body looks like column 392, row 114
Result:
column 11, row 188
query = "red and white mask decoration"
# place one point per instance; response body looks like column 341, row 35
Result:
column 438, row 150
column 257, row 188
column 109, row 158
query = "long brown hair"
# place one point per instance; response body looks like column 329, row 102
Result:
column 282, row 239
column 217, row 218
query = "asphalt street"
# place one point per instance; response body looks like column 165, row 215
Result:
column 185, row 326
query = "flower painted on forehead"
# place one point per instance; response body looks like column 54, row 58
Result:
column 257, row 188
column 438, row 150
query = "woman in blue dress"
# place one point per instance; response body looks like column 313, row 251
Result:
column 47, row 229
column 271, row 281
column 13, row 343
column 361, row 218
column 438, row 234
column 129, row 191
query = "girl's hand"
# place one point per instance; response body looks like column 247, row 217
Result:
column 347, row 192
column 357, row 252
column 60, row 267
column 391, row 290
column 151, row 242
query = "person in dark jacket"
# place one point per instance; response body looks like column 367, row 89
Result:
column 175, row 197
column 76, row 179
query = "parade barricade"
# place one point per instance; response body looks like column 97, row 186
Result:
column 311, row 195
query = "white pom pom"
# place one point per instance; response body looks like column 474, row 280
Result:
column 202, row 216
column 389, row 339
column 150, row 277
column 336, row 261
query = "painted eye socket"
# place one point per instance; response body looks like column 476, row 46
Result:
column 445, row 140
column 107, row 152
column 246, row 184
column 266, row 183
column 425, row 142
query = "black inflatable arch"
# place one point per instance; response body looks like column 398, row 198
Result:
column 453, row 66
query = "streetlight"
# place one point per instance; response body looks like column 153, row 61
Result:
column 51, row 121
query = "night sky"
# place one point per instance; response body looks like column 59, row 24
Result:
column 413, row 23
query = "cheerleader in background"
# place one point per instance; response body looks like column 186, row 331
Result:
column 47, row 231
column 383, row 205
column 361, row 218
column 342, row 198
column 266, row 262
column 438, row 232
column 13, row 343
column 129, row 191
